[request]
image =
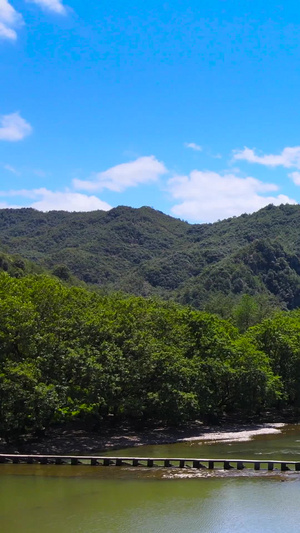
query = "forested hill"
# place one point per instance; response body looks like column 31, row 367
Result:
column 146, row 252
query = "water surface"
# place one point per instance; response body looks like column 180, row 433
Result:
column 84, row 499
column 283, row 445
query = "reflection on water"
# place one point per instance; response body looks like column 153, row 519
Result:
column 85, row 499
column 32, row 504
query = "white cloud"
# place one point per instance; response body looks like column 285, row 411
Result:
column 295, row 177
column 10, row 19
column 142, row 170
column 7, row 33
column 289, row 157
column 68, row 201
column 51, row 5
column 208, row 196
column 193, row 146
column 13, row 127
column 45, row 200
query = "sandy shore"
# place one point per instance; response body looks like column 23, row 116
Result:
column 65, row 441
column 240, row 435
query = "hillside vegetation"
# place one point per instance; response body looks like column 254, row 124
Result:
column 74, row 349
column 67, row 353
column 17, row 267
column 144, row 252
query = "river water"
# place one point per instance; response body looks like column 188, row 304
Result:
column 84, row 499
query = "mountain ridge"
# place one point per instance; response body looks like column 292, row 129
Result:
column 146, row 252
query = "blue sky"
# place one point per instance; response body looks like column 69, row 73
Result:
column 190, row 107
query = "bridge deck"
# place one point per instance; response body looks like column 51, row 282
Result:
column 150, row 462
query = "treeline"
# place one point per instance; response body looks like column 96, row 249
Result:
column 67, row 353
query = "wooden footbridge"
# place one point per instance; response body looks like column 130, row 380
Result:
column 151, row 462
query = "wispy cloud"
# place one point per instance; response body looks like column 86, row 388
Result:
column 56, row 6
column 288, row 158
column 193, row 146
column 11, row 169
column 10, row 20
column 13, row 127
column 208, row 196
column 45, row 200
column 142, row 170
column 39, row 173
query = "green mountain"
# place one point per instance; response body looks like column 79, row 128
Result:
column 145, row 252
column 18, row 267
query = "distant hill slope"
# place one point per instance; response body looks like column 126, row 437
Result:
column 18, row 267
column 146, row 252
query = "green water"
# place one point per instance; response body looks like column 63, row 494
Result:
column 84, row 499
column 280, row 446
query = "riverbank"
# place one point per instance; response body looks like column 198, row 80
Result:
column 78, row 441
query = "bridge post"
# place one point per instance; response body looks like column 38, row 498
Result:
column 270, row 466
column 257, row 465
column 211, row 465
column 284, row 467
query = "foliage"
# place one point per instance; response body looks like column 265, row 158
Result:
column 146, row 253
column 279, row 338
column 69, row 353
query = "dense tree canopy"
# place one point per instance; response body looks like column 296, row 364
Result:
column 68, row 353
